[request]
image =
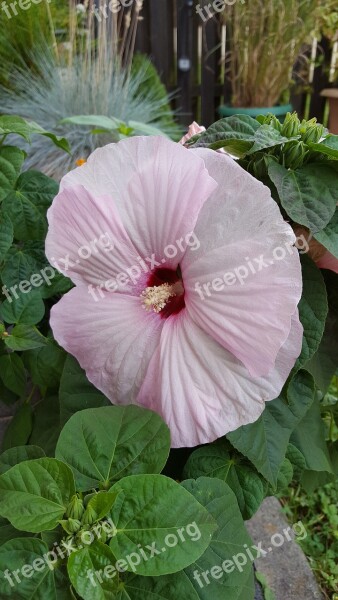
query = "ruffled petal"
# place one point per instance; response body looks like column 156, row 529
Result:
column 243, row 284
column 87, row 242
column 201, row 390
column 113, row 339
column 157, row 187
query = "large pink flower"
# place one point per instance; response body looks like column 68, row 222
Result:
column 168, row 317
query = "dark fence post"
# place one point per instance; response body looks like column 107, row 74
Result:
column 210, row 71
column 185, row 59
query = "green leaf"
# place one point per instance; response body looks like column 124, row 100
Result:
column 323, row 364
column 11, row 160
column 230, row 545
column 17, row 125
column 46, row 428
column 27, row 308
column 232, row 133
column 309, row 439
column 35, row 494
column 25, row 337
column 151, row 510
column 18, row 269
column 19, row 428
column 329, row 146
column 284, row 477
column 76, row 392
column 101, row 503
column 309, row 195
column 313, row 310
column 16, row 455
column 219, row 460
column 268, row 137
column 102, row 445
column 265, row 442
column 167, row 587
column 108, row 123
column 8, row 532
column 12, row 373
column 145, row 128
column 6, row 234
column 329, row 236
column 46, row 365
column 28, row 203
column 25, row 555
column 25, row 129
column 94, row 558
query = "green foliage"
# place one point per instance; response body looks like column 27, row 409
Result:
column 318, row 512
column 73, row 463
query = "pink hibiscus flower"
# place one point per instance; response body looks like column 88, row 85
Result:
column 194, row 129
column 164, row 315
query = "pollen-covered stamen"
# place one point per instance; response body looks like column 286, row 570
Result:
column 156, row 298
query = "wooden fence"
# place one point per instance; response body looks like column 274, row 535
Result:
column 190, row 57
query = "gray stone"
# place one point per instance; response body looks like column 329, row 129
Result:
column 286, row 568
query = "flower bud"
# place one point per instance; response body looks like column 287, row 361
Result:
column 291, row 125
column 272, row 120
column 71, row 525
column 313, row 134
column 89, row 516
column 75, row 508
column 294, row 155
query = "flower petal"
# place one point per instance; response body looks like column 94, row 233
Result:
column 245, row 306
column 201, row 390
column 113, row 339
column 157, row 187
column 86, row 240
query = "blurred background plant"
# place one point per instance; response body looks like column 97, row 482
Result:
column 266, row 38
column 91, row 73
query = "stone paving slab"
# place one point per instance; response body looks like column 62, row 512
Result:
column 286, row 568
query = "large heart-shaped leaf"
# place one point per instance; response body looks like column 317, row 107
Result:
column 219, row 460
column 159, row 521
column 265, row 442
column 105, row 444
column 166, row 587
column 218, row 574
column 34, row 494
column 309, row 195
